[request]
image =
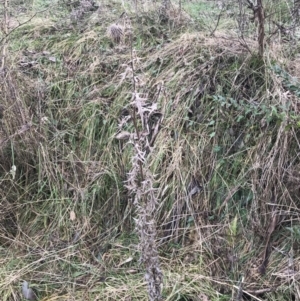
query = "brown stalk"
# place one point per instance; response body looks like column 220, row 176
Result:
column 134, row 113
column 261, row 27
column 258, row 14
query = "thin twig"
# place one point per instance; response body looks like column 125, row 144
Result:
column 218, row 21
column 21, row 24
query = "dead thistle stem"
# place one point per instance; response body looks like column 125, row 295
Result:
column 140, row 184
column 261, row 27
column 134, row 99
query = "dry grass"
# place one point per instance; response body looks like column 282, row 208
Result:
column 224, row 159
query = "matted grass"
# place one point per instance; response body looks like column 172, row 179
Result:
column 225, row 161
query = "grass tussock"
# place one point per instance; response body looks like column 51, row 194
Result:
column 222, row 153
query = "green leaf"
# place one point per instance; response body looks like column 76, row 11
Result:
column 216, row 149
column 233, row 227
column 240, row 118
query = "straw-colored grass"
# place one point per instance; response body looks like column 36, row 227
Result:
column 225, row 158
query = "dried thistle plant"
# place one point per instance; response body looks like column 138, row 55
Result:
column 140, row 183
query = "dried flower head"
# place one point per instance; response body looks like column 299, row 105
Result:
column 115, row 32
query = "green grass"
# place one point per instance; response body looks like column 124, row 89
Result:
column 195, row 9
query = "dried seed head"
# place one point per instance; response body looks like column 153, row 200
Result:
column 115, row 32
